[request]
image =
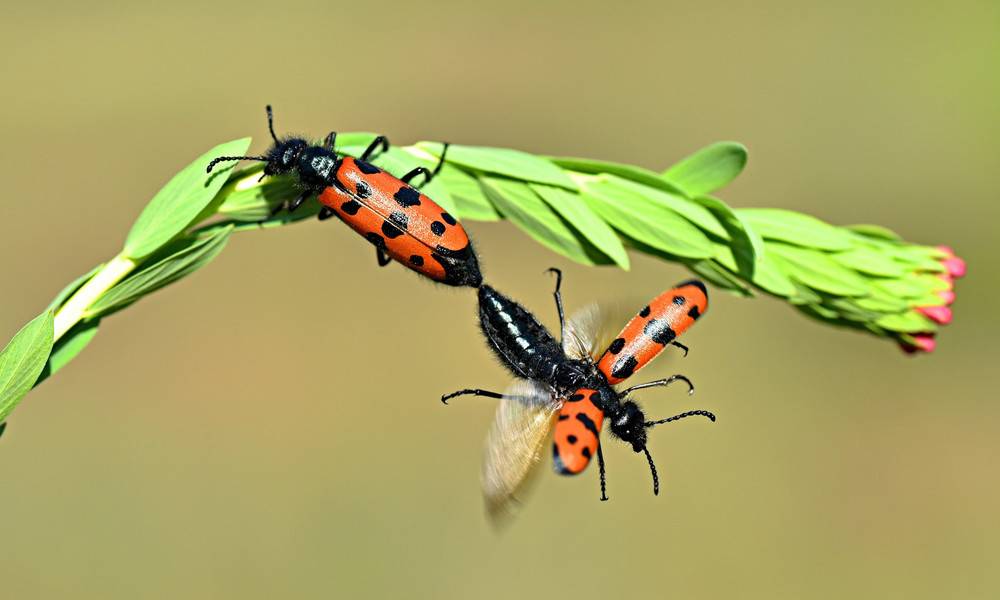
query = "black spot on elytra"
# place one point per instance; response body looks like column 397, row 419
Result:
column 679, row 300
column 588, row 423
column 437, row 228
column 376, row 239
column 594, row 397
column 391, row 231
column 644, row 312
column 694, row 313
column 575, row 398
column 563, row 417
column 624, row 367
column 616, row 346
column 366, row 167
column 399, row 219
column 448, row 218
column 660, row 331
column 407, row 197
column 571, row 438
column 695, row 283
column 362, row 189
column 417, row 260
column 585, row 452
column 351, row 207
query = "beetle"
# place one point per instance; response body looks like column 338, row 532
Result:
column 402, row 223
column 568, row 389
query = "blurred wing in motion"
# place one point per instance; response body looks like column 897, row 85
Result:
column 513, row 448
column 581, row 333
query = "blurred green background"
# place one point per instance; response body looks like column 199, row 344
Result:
column 271, row 427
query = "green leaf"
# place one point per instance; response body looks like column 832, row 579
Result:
column 708, row 169
column 177, row 260
column 69, row 345
column 576, row 212
column 876, row 232
column 246, row 198
column 630, row 172
column 736, row 226
column 519, row 203
column 689, row 209
column 883, row 303
column 796, row 228
column 869, row 261
column 719, row 277
column 471, row 201
column 645, row 220
column 504, row 161
column 23, row 359
column 176, row 206
column 765, row 275
column 817, row 270
column 908, row 322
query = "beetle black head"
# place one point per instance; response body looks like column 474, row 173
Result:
column 280, row 158
column 629, row 425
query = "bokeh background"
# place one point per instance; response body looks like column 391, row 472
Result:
column 270, row 427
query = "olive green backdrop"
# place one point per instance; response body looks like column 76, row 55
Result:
column 270, row 427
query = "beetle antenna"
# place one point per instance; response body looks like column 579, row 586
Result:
column 690, row 413
column 652, row 469
column 270, row 123
column 216, row 161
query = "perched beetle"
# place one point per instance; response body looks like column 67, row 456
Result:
column 568, row 388
column 402, row 223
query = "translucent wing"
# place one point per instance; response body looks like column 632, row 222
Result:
column 513, row 448
column 581, row 333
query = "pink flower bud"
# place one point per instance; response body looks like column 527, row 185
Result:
column 939, row 314
column 922, row 342
column 947, row 295
column 947, row 250
column 955, row 266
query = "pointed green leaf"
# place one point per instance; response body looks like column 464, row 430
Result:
column 708, row 169
column 908, row 322
column 630, row 172
column 519, row 204
column 733, row 223
column 177, row 204
column 719, row 277
column 817, row 270
column 504, row 161
column 468, row 194
column 646, row 220
column 177, row 260
column 795, row 228
column 869, row 261
column 689, row 209
column 576, row 212
column 899, row 288
column 69, row 345
column 882, row 303
column 246, row 198
column 876, row 232
column 23, row 359
column 766, row 275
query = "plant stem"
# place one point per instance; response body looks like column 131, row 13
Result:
column 102, row 281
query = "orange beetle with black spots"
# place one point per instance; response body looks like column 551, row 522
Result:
column 567, row 389
column 402, row 223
